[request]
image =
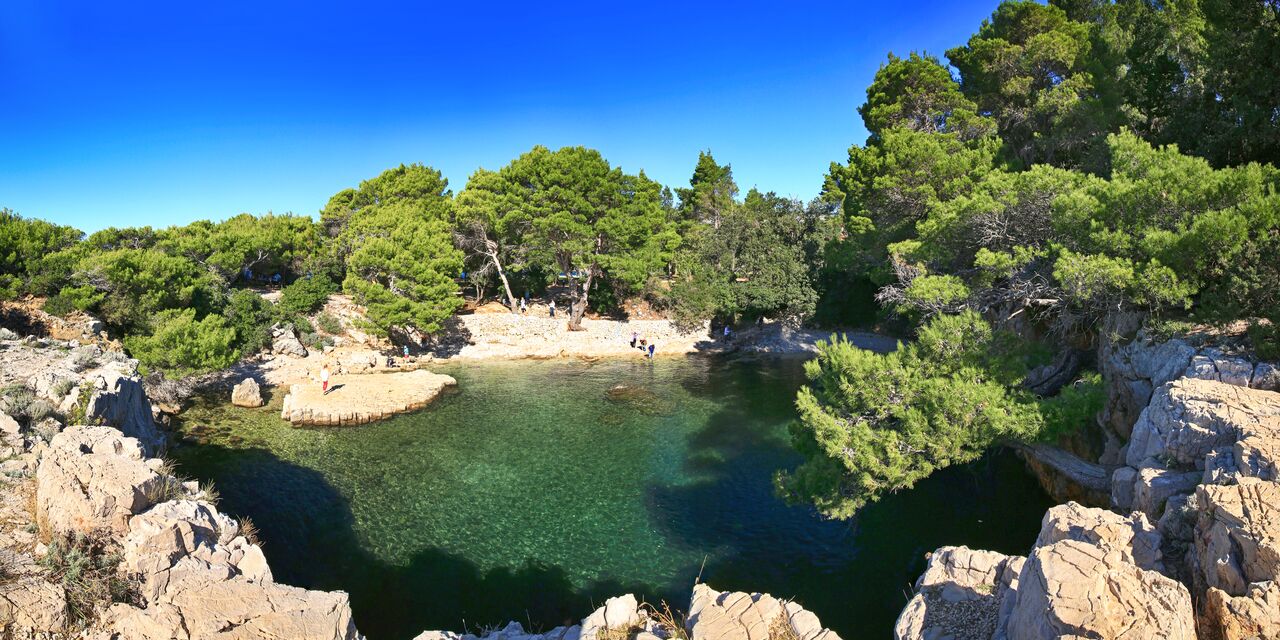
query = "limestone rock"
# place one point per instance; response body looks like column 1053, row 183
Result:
column 717, row 615
column 247, row 394
column 959, row 595
column 1073, row 588
column 32, row 607
column 188, row 535
column 1153, row 486
column 1133, row 537
column 284, row 341
column 620, row 612
column 364, row 398
column 1238, row 534
column 1187, row 419
column 92, row 478
column 1254, row 615
column 199, row 605
column 119, row 400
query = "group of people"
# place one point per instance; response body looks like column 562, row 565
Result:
column 643, row 344
column 524, row 306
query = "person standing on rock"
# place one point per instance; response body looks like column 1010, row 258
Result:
column 324, row 380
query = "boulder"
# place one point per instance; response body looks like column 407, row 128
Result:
column 723, row 615
column 1256, row 614
column 204, row 604
column 1237, row 537
column 119, row 400
column 32, row 607
column 1074, row 589
column 284, row 341
column 1133, row 537
column 621, row 612
column 188, row 535
column 95, row 478
column 1188, row 418
column 247, row 394
column 959, row 595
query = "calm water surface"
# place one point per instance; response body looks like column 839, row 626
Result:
column 534, row 493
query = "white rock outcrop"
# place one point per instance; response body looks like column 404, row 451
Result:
column 247, row 394
column 93, row 478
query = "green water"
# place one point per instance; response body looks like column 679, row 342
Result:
column 534, row 493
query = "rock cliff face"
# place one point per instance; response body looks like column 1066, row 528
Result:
column 1203, row 440
column 198, row 576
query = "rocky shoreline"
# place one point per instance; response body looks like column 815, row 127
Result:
column 1183, row 540
column 177, row 567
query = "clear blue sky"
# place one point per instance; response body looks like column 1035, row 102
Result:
column 140, row 112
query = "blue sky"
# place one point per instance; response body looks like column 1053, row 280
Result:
column 133, row 113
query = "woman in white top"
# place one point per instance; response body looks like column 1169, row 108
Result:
column 324, row 379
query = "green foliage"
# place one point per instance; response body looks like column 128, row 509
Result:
column 87, row 568
column 872, row 424
column 305, row 295
column 917, row 93
column 251, row 317
column 329, row 324
column 402, row 265
column 24, row 243
column 1075, row 406
column 182, row 345
column 128, row 287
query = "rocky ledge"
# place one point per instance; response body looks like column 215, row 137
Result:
column 359, row 399
column 713, row 615
column 1190, row 547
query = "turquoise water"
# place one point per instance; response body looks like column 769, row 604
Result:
column 536, row 491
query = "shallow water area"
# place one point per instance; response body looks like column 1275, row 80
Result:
column 541, row 488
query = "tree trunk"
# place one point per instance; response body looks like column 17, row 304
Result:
column 580, row 300
column 502, row 275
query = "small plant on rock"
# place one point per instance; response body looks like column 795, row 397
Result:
column 86, row 567
column 329, row 324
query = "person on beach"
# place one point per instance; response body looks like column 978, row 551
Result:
column 652, row 347
column 726, row 332
column 324, row 380
column 524, row 306
column 634, row 337
column 552, row 307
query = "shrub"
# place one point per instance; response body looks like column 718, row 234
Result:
column 84, row 358
column 182, row 345
column 251, row 316
column 329, row 324
column 15, row 399
column 38, row 410
column 305, row 295
column 62, row 387
column 86, row 567
column 59, row 305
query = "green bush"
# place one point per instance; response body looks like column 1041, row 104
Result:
column 305, row 295
column 872, row 424
column 251, row 317
column 59, row 305
column 329, row 324
column 181, row 345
